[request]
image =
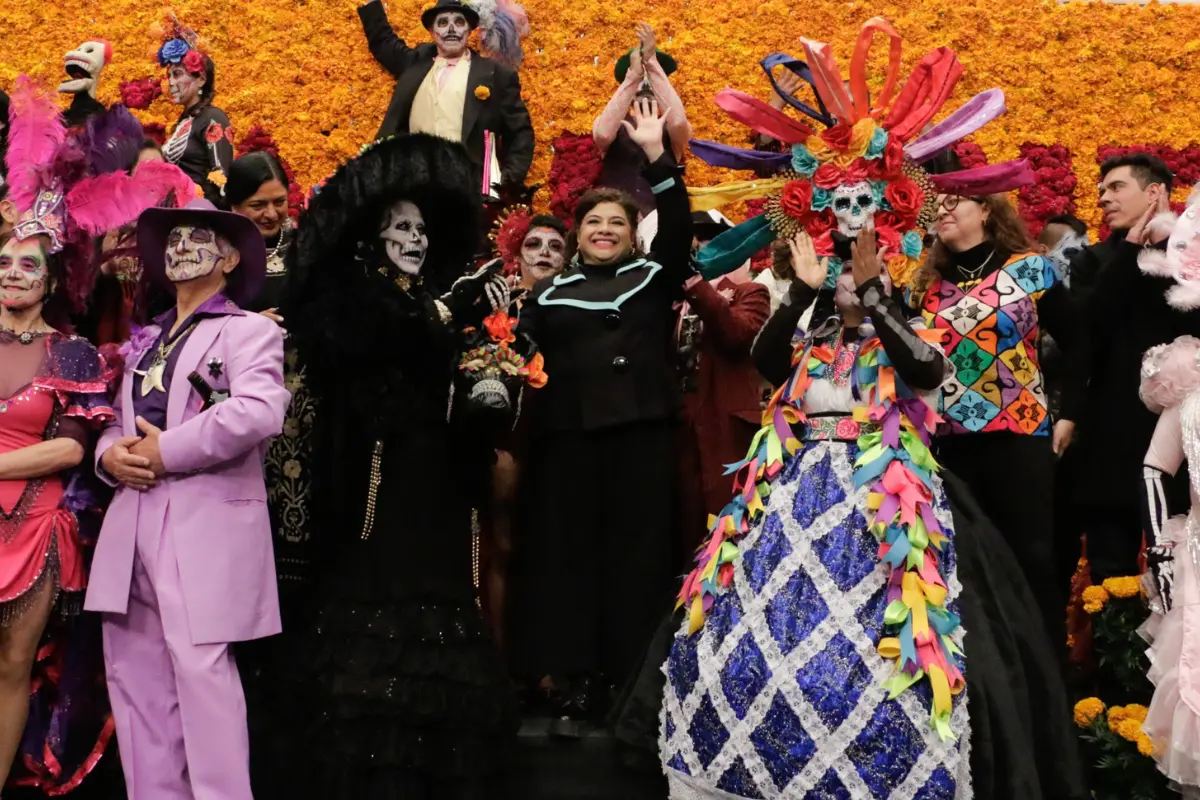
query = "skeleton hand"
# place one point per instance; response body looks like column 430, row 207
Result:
column 804, row 260
column 1161, row 561
column 473, row 297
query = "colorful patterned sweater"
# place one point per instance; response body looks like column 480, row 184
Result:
column 991, row 329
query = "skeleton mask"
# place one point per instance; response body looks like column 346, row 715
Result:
column 854, row 207
column 84, row 65
column 404, row 238
column 1068, row 246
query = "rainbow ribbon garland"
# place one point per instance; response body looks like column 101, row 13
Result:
column 896, row 463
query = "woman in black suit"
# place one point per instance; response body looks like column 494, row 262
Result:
column 593, row 561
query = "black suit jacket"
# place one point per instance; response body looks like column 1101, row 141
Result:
column 605, row 331
column 503, row 112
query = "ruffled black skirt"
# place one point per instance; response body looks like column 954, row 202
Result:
column 1023, row 743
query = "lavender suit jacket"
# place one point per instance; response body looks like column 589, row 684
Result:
column 215, row 491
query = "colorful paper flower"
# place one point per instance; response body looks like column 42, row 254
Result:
column 193, row 62
column 172, row 52
column 500, row 327
column 797, row 199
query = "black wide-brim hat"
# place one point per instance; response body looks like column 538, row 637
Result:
column 246, row 280
column 430, row 14
column 435, row 174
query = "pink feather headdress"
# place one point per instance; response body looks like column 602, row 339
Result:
column 61, row 197
column 1181, row 260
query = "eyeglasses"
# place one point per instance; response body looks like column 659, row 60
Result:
column 951, row 201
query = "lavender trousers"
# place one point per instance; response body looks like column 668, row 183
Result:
column 179, row 708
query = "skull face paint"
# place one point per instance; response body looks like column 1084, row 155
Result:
column 24, row 274
column 192, row 253
column 854, row 206
column 543, row 252
column 184, row 86
column 450, row 30
column 404, row 237
column 1068, row 246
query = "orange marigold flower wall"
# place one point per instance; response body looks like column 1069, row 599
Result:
column 1078, row 74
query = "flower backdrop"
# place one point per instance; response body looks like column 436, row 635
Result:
column 1082, row 76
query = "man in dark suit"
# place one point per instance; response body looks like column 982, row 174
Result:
column 446, row 89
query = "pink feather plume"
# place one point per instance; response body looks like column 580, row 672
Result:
column 35, row 133
column 104, row 203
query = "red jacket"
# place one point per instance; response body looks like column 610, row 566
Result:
column 725, row 409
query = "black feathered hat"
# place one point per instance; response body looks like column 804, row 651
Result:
column 344, row 214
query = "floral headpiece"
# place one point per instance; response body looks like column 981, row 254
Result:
column 69, row 189
column 508, row 233
column 864, row 167
column 180, row 45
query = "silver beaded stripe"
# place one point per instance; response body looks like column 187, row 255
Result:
column 475, row 532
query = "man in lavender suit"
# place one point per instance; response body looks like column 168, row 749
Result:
column 184, row 566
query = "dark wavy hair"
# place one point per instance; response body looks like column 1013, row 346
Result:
column 248, row 173
column 593, row 198
column 207, row 92
column 1004, row 228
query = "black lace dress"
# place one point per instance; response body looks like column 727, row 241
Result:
column 409, row 697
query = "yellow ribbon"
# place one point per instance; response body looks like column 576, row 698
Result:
column 707, row 198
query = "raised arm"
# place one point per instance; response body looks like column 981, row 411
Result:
column 388, row 49
column 253, row 413
column 608, row 124
column 678, row 126
column 772, row 351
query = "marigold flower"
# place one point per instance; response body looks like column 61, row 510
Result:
column 1122, row 587
column 1115, row 715
column 1145, row 746
column 483, row 92
column 1094, row 599
column 1128, row 729
column 1087, row 710
column 1136, row 712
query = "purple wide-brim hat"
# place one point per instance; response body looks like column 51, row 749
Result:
column 244, row 283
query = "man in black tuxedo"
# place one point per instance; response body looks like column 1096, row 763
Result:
column 446, row 89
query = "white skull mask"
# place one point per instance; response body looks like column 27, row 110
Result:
column 83, row 66
column 404, row 237
column 854, row 206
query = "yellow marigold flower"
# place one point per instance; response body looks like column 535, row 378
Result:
column 1094, row 598
column 1136, row 712
column 1128, row 729
column 483, row 92
column 1122, row 587
column 217, row 178
column 1115, row 715
column 1087, row 710
column 1145, row 746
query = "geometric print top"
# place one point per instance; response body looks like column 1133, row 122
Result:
column 991, row 330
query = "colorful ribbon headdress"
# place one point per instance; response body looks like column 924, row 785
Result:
column 866, row 141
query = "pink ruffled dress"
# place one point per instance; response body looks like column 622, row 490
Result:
column 1173, row 721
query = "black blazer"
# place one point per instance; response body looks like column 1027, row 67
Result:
column 503, row 113
column 605, row 332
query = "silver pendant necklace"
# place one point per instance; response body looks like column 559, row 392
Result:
column 973, row 274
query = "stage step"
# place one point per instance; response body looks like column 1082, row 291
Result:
column 595, row 766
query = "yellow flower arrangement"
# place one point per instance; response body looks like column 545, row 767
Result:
column 1136, row 712
column 217, row 178
column 1077, row 74
column 483, row 92
column 1128, row 729
column 1115, row 715
column 1094, row 599
column 1145, row 746
column 1087, row 710
column 1122, row 587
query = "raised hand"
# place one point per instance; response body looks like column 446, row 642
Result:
column 646, row 41
column 788, row 82
column 646, row 130
column 866, row 257
column 804, row 260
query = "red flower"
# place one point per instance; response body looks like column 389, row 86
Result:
column 905, row 197
column 797, row 198
column 215, row 132
column 817, row 224
column 141, row 93
column 838, row 137
column 823, row 244
column 500, row 327
column 829, row 176
column 889, row 238
column 858, row 171
column 891, row 162
column 193, row 62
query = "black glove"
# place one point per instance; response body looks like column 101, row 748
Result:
column 474, row 297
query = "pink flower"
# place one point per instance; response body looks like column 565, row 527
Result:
column 193, row 62
column 846, row 429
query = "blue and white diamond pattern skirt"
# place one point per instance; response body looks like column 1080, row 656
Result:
column 780, row 694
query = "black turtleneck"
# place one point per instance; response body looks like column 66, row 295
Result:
column 975, row 263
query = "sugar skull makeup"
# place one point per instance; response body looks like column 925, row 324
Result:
column 183, row 85
column 404, row 238
column 543, row 252
column 24, row 274
column 192, row 252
